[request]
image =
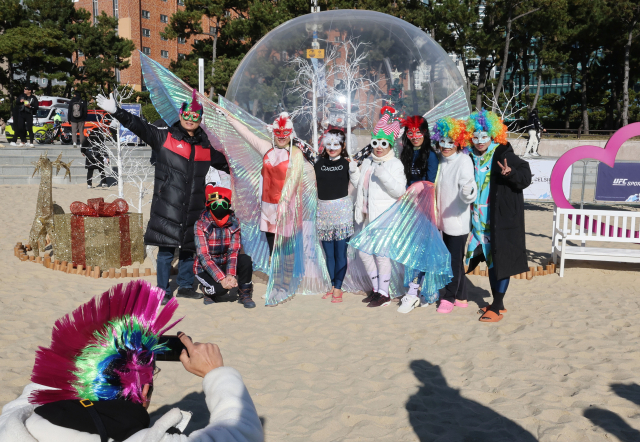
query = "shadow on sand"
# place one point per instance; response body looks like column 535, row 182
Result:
column 438, row 412
column 611, row 422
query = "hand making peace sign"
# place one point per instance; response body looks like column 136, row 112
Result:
column 506, row 170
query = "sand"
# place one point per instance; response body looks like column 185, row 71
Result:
column 561, row 366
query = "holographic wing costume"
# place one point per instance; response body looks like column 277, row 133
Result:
column 291, row 272
column 406, row 233
column 455, row 105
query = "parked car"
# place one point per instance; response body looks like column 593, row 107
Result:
column 97, row 122
column 44, row 115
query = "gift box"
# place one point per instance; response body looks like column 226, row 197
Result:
column 99, row 234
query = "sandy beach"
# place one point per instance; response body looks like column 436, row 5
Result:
column 561, row 366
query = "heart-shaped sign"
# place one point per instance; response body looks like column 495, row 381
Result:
column 606, row 155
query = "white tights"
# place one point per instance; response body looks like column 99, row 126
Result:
column 379, row 270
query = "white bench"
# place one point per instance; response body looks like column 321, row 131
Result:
column 594, row 225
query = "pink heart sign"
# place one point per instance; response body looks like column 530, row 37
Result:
column 606, row 155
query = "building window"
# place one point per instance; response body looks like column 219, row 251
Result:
column 164, row 18
column 115, row 8
column 146, row 14
column 164, row 54
column 213, row 30
column 146, row 32
column 180, row 2
column 80, row 54
column 163, row 38
column 146, row 50
column 181, row 56
column 181, row 40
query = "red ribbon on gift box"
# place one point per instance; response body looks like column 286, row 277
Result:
column 96, row 207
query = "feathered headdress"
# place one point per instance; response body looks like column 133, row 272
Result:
column 282, row 127
column 413, row 122
column 193, row 105
column 106, row 348
column 387, row 127
column 331, row 138
column 452, row 128
column 489, row 122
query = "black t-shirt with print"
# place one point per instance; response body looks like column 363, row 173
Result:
column 332, row 178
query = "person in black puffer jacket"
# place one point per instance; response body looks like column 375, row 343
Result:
column 183, row 156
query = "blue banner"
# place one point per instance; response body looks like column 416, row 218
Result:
column 618, row 183
column 126, row 136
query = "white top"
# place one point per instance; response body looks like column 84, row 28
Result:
column 454, row 212
column 233, row 417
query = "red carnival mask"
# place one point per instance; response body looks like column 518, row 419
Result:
column 282, row 133
column 413, row 133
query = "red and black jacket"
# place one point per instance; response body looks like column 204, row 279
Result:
column 182, row 163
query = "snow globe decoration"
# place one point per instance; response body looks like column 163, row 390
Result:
column 339, row 68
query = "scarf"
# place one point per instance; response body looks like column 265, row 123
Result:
column 480, row 229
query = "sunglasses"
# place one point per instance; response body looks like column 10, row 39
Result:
column 219, row 203
column 380, row 143
column 282, row 133
column 191, row 116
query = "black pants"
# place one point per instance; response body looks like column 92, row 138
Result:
column 27, row 129
column 90, row 174
column 214, row 289
column 270, row 239
column 457, row 288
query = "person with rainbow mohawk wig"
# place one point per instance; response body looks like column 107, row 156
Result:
column 183, row 157
column 95, row 380
column 497, row 221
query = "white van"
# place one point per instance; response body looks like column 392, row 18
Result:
column 44, row 115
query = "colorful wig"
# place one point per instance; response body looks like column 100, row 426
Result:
column 106, row 348
column 489, row 122
column 452, row 128
column 192, row 106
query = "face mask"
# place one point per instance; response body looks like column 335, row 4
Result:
column 219, row 209
column 380, row 143
column 282, row 133
column 333, row 146
column 414, row 134
column 480, row 137
column 447, row 143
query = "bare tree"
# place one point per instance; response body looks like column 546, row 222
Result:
column 508, row 111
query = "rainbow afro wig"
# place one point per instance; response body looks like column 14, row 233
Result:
column 452, row 128
column 489, row 122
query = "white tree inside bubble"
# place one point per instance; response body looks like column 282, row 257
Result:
column 402, row 67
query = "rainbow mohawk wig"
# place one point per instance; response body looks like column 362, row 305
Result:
column 489, row 122
column 106, row 348
column 452, row 128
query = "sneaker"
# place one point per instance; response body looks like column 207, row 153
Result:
column 32, row 145
column 89, row 186
column 189, row 293
column 208, row 300
column 380, row 301
column 535, row 154
column 104, row 185
column 408, row 303
column 20, row 144
column 167, row 298
column 369, row 297
column 13, row 143
column 445, row 307
column 75, row 145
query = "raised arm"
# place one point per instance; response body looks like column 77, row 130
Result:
column 262, row 146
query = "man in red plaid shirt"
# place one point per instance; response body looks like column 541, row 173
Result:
column 219, row 265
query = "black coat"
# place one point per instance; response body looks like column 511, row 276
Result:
column 93, row 158
column 82, row 108
column 27, row 113
column 506, row 214
column 182, row 163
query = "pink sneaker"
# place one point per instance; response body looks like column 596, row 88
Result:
column 445, row 307
column 461, row 304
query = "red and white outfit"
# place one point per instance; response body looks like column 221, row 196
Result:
column 275, row 163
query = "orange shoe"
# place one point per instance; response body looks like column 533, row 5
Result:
column 491, row 316
column 483, row 310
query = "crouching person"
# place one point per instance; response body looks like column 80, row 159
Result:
column 219, row 265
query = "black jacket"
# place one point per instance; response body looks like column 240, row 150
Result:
column 506, row 214
column 93, row 158
column 27, row 113
column 182, row 162
column 534, row 122
column 81, row 107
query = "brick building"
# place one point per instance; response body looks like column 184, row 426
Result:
column 142, row 21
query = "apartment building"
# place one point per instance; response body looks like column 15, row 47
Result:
column 142, row 21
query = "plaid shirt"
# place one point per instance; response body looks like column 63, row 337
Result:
column 216, row 247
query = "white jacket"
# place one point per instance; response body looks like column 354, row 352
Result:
column 387, row 183
column 233, row 417
column 454, row 213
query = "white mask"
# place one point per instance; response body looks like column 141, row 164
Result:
column 480, row 137
column 332, row 146
column 447, row 143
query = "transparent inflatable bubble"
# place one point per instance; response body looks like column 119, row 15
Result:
column 370, row 60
